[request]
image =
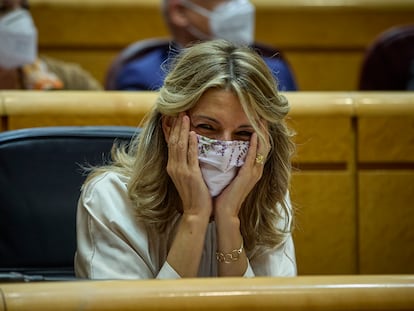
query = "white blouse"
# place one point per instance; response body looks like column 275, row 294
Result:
column 113, row 244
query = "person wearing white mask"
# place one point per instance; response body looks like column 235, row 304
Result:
column 191, row 21
column 202, row 190
column 230, row 20
column 20, row 65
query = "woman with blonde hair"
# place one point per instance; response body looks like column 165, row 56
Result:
column 203, row 189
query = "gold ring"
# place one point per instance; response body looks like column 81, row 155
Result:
column 259, row 158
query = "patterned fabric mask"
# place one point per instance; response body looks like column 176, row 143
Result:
column 219, row 161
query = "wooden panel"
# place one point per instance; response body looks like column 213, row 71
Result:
column 385, row 127
column 323, row 140
column 301, row 293
column 386, row 139
column 34, row 109
column 77, row 102
column 325, row 4
column 72, row 23
column 380, row 104
column 328, row 70
column 386, row 181
column 325, row 237
column 323, row 188
column 326, row 23
column 323, row 126
column 386, row 217
column 330, row 28
column 323, row 40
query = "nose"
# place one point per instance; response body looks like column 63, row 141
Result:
column 226, row 136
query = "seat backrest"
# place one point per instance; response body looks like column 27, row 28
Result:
column 131, row 52
column 140, row 48
column 388, row 63
column 268, row 51
column 40, row 180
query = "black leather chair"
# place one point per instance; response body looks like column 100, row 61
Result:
column 40, row 179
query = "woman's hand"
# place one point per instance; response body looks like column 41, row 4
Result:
column 229, row 202
column 227, row 206
column 186, row 250
column 184, row 169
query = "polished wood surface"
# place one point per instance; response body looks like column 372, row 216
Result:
column 76, row 102
column 386, row 219
column 326, row 234
column 385, row 4
column 385, row 170
column 383, row 104
column 311, row 103
column 324, row 40
column 394, row 292
column 34, row 109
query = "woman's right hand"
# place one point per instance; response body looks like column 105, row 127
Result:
column 184, row 170
column 186, row 250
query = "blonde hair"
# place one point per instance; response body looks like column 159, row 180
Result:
column 223, row 65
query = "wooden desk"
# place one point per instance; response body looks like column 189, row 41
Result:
column 35, row 109
column 385, row 157
column 353, row 183
column 262, row 294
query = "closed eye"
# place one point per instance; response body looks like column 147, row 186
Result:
column 244, row 134
column 204, row 126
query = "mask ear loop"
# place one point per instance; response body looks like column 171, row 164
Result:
column 196, row 8
column 203, row 12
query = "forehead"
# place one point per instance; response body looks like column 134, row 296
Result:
column 220, row 104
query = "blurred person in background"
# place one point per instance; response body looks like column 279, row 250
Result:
column 388, row 63
column 20, row 65
column 191, row 21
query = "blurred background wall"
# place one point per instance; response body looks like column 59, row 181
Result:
column 324, row 40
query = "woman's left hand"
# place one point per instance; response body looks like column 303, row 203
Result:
column 227, row 205
column 229, row 202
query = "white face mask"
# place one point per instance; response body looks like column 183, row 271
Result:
column 232, row 20
column 219, row 161
column 18, row 37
